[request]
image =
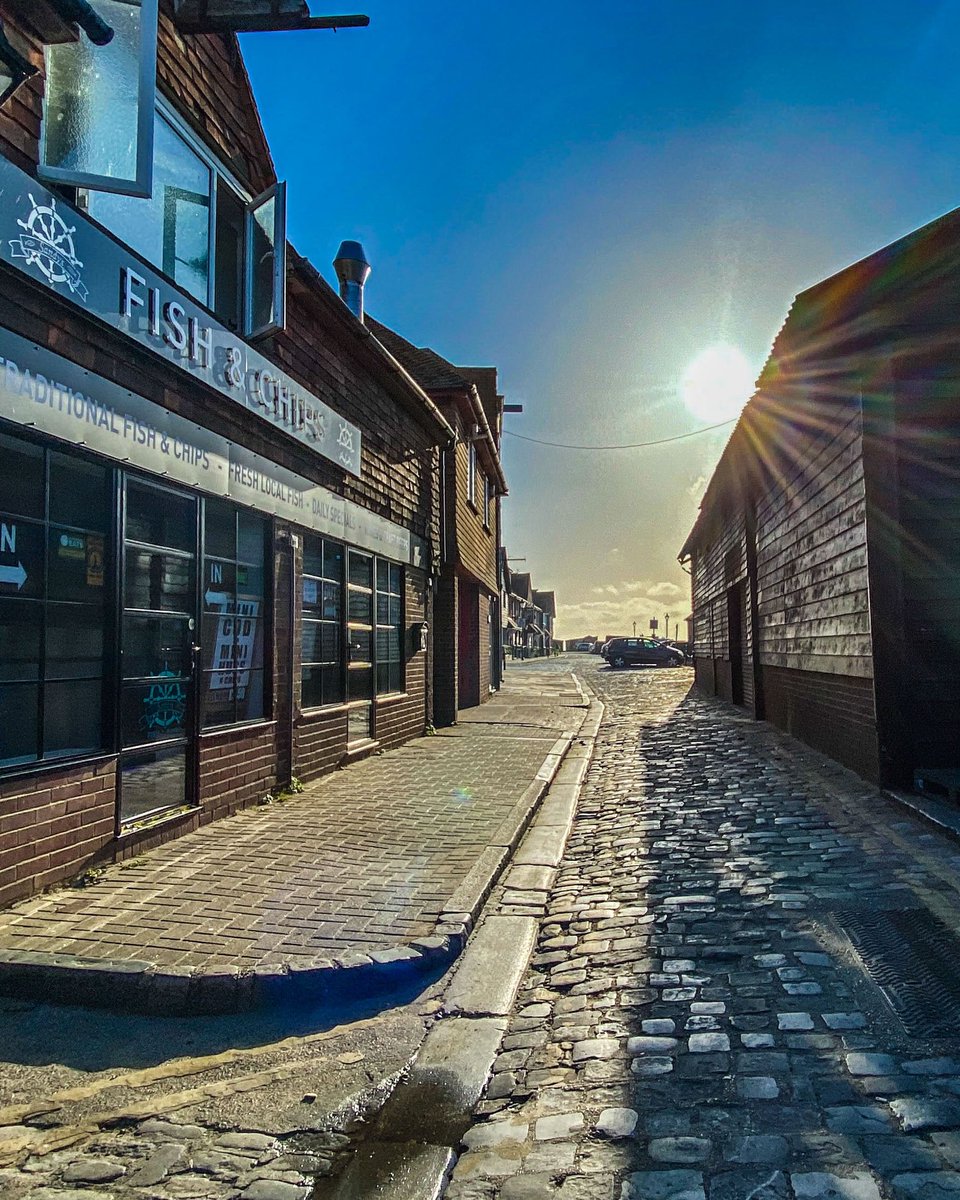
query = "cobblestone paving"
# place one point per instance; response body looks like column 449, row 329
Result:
column 693, row 1025
column 365, row 857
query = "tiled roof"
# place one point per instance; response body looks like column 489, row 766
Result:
column 425, row 365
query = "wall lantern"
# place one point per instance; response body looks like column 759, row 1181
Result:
column 14, row 68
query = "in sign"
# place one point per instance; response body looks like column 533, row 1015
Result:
column 12, row 576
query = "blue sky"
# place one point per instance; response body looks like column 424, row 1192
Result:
column 587, row 198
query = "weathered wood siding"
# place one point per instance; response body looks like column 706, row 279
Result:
column 812, row 561
column 719, row 567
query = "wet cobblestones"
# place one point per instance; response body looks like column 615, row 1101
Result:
column 693, row 1025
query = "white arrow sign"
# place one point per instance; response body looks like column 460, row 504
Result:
column 15, row 575
column 220, row 598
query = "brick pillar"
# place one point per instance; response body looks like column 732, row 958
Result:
column 445, row 679
column 284, row 641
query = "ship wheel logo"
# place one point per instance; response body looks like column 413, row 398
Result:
column 47, row 244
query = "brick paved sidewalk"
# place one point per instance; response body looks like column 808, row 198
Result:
column 363, row 862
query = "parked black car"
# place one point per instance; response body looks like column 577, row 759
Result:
column 628, row 652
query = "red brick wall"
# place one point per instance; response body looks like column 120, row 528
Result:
column 53, row 825
column 319, row 740
column 237, row 766
column 445, row 675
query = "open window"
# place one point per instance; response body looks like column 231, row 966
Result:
column 99, row 105
column 264, row 252
column 201, row 230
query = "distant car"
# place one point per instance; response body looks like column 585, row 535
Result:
column 587, row 646
column 629, row 652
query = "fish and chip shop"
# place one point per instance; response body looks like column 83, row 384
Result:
column 215, row 550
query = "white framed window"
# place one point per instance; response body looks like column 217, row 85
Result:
column 99, row 104
column 204, row 231
column 471, row 473
column 486, row 499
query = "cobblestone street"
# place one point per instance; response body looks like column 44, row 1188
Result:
column 694, row 1023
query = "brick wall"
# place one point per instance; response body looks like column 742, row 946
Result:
column 54, row 825
column 318, row 740
column 446, row 675
column 832, row 713
column 237, row 766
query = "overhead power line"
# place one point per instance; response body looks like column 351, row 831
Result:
column 679, row 437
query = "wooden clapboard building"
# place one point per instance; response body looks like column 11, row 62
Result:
column 826, row 555
column 468, row 651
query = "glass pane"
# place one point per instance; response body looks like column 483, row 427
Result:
column 74, row 642
column 154, row 711
column 21, row 558
column 388, row 645
column 250, row 582
column 383, row 575
column 21, row 480
column 395, row 613
column 262, row 264
column 219, row 585
column 247, row 632
column 383, row 677
column 218, row 698
column 361, row 645
column 359, row 683
column 332, row 601
column 361, row 569
column 219, row 530
column 78, row 493
column 252, row 539
column 396, row 676
column 312, row 555
column 159, row 581
column 250, row 698
column 312, row 594
column 396, row 579
column 383, row 609
column 160, row 518
column 360, row 607
column 72, row 717
column 315, row 641
column 93, row 97
column 75, row 566
column 18, row 723
column 172, row 228
column 333, row 561
column 311, row 687
column 153, row 645
column 358, row 723
column 150, row 782
column 19, row 639
column 228, row 281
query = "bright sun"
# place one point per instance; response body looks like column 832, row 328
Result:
column 717, row 384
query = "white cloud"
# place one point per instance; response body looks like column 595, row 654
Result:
column 617, row 607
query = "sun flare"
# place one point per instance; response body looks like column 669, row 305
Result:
column 718, row 383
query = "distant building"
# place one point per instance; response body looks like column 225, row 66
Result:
column 826, row 555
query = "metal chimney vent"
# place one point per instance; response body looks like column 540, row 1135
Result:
column 353, row 270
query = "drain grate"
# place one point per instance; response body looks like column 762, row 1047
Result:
column 914, row 958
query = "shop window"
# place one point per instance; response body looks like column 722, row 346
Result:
column 321, row 631
column 99, row 104
column 389, row 627
column 236, row 546
column 53, row 536
column 351, row 629
column 198, row 227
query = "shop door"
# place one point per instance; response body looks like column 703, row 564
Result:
column 157, row 652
